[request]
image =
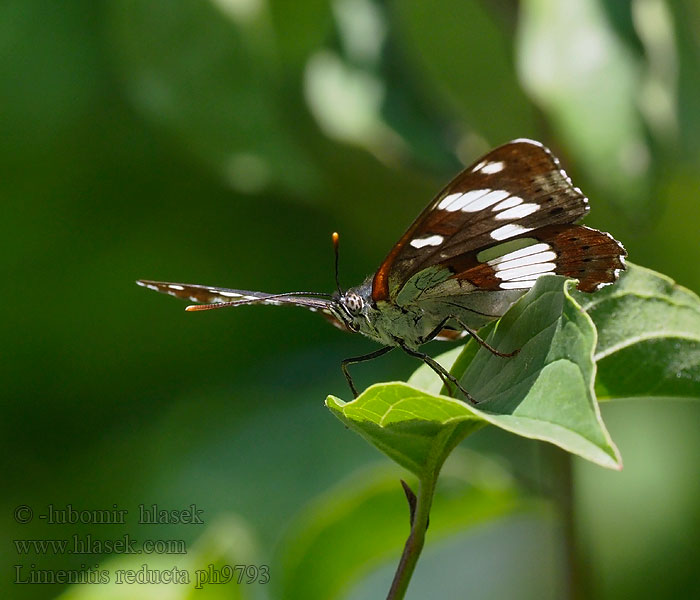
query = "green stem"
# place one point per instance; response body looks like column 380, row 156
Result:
column 576, row 577
column 415, row 541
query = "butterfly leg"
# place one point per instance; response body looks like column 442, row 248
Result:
column 483, row 342
column 444, row 374
column 358, row 359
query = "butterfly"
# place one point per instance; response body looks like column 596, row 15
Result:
column 479, row 245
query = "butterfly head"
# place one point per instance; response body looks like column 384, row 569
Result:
column 352, row 302
column 352, row 307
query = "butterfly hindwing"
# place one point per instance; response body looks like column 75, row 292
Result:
column 591, row 256
column 513, row 190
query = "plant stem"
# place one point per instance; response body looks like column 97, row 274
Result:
column 415, row 541
column 576, row 579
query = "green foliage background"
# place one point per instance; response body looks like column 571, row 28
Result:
column 221, row 142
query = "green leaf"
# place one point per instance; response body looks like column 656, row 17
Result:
column 412, row 427
column 545, row 392
column 361, row 523
column 648, row 337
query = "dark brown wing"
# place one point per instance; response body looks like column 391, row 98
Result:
column 514, row 189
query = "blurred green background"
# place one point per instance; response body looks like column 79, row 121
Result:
column 221, row 142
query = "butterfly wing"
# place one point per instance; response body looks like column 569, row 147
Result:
column 513, row 193
column 213, row 297
column 202, row 294
column 591, row 256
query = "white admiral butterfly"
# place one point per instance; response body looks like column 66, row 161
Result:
column 476, row 248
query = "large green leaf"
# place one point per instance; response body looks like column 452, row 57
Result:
column 545, row 392
column 359, row 524
column 648, row 337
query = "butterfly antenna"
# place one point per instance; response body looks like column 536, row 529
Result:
column 336, row 237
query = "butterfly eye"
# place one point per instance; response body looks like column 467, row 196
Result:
column 353, row 303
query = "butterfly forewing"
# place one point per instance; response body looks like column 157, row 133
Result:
column 512, row 191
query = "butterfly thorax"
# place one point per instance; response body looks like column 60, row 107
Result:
column 385, row 322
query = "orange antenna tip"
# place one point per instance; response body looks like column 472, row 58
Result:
column 336, row 237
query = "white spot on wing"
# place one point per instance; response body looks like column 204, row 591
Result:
column 447, row 200
column 527, row 251
column 508, row 203
column 528, row 277
column 518, row 212
column 492, row 197
column 509, row 231
column 229, row 294
column 492, row 167
column 526, row 271
column 458, row 201
column 433, row 240
column 172, row 286
column 532, row 259
column 517, row 285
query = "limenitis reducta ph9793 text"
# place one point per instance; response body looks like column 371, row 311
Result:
column 476, row 248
